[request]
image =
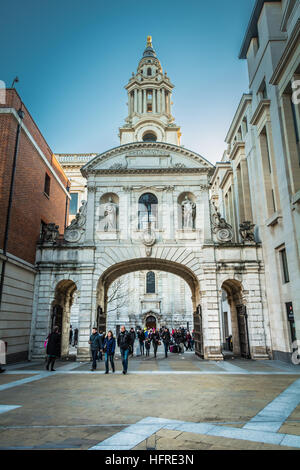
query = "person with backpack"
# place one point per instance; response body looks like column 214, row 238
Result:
column 109, row 347
column 96, row 345
column 53, row 348
column 124, row 341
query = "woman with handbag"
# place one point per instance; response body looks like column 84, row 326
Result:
column 109, row 347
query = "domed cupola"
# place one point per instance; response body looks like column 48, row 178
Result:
column 149, row 103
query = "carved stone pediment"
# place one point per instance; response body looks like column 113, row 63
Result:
column 147, row 156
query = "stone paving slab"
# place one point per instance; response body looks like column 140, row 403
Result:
column 5, row 378
column 174, row 440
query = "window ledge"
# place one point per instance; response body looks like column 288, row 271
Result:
column 47, row 195
column 296, row 198
column 274, row 219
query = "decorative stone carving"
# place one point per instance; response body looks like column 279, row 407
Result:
column 246, row 231
column 179, row 165
column 148, row 238
column 110, row 214
column 50, row 233
column 74, row 231
column 220, row 227
column 118, row 166
column 148, row 188
column 188, row 213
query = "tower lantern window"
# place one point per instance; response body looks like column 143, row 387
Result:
column 149, row 72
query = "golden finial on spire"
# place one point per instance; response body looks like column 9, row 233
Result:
column 149, row 41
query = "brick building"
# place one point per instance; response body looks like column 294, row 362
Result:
column 39, row 197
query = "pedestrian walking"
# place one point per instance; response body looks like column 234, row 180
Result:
column 132, row 340
column 96, row 345
column 124, row 341
column 147, row 346
column 109, row 347
column 141, row 338
column 100, row 355
column 53, row 348
column 155, row 341
column 166, row 337
column 70, row 335
column 75, row 337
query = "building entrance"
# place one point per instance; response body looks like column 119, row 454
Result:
column 151, row 322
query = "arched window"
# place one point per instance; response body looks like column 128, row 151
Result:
column 149, row 137
column 150, row 283
column 147, row 213
column 149, row 72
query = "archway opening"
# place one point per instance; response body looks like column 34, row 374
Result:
column 150, row 322
column 61, row 313
column 150, row 300
column 234, row 324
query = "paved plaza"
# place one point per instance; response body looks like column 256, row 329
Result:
column 177, row 403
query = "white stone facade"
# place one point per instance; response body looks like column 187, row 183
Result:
column 258, row 179
column 148, row 209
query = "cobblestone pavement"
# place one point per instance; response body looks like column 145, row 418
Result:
column 180, row 402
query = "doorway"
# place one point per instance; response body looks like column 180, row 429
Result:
column 151, row 322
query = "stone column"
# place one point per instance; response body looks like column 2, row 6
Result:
column 256, row 305
column 87, row 313
column 90, row 213
column 154, row 100
column 205, row 222
column 246, row 190
column 135, row 100
column 144, row 101
column 163, row 101
column 159, row 101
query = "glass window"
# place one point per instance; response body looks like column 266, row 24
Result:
column 149, row 137
column 285, row 271
column 150, row 289
column 147, row 214
column 73, row 203
column 47, row 185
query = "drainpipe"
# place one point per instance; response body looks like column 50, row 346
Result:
column 9, row 210
column 67, row 200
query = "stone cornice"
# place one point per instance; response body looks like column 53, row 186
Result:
column 238, row 145
column 227, row 175
column 88, row 167
column 289, row 49
column 245, row 100
column 126, row 171
column 262, row 106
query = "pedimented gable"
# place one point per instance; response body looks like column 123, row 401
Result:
column 146, row 156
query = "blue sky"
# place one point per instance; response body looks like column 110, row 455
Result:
column 74, row 57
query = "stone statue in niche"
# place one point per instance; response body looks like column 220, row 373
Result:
column 110, row 216
column 188, row 213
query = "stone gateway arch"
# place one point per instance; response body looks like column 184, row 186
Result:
column 148, row 207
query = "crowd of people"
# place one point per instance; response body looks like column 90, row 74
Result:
column 174, row 341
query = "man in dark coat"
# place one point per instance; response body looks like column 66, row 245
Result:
column 124, row 341
column 53, row 348
column 132, row 340
column 155, row 341
column 141, row 338
column 166, row 337
column 96, row 346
